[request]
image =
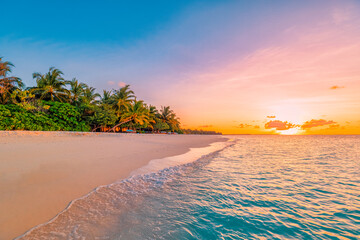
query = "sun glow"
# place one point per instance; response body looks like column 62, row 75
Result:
column 291, row 131
column 292, row 112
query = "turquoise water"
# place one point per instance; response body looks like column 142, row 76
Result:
column 258, row 187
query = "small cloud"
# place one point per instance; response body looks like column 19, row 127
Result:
column 334, row 126
column 245, row 125
column 110, row 83
column 271, row 116
column 316, row 123
column 241, row 125
column 279, row 125
column 336, row 87
column 121, row 84
column 205, row 126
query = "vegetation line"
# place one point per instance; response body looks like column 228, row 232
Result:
column 56, row 104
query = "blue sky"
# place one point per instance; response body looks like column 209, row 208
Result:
column 132, row 36
column 188, row 54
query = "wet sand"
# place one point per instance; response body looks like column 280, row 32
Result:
column 41, row 172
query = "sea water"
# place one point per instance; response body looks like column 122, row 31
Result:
column 253, row 187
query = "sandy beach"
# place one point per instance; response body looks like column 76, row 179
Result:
column 41, row 172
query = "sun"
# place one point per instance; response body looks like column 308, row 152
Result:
column 291, row 131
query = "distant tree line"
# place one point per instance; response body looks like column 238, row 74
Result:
column 201, row 132
column 56, row 104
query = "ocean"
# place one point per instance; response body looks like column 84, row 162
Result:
column 251, row 187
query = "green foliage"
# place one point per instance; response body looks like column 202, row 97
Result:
column 8, row 84
column 56, row 104
column 103, row 116
column 50, row 86
column 23, row 99
column 15, row 117
column 160, row 125
column 67, row 116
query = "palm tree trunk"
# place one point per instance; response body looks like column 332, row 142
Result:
column 95, row 129
column 113, row 128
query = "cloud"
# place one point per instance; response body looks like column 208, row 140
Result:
column 205, row 126
column 336, row 87
column 110, row 83
column 271, row 116
column 245, row 125
column 334, row 126
column 316, row 123
column 121, row 84
column 241, row 125
column 279, row 125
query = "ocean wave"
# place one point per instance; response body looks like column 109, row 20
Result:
column 89, row 216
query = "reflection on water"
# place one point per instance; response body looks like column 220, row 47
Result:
column 262, row 187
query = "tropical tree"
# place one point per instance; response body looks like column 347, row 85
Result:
column 23, row 98
column 7, row 83
column 153, row 112
column 103, row 116
column 160, row 125
column 136, row 112
column 50, row 86
column 57, row 104
column 89, row 96
column 121, row 99
column 106, row 97
column 76, row 90
column 169, row 117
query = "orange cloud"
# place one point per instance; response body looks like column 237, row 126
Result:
column 279, row 125
column 334, row 126
column 205, row 126
column 316, row 123
column 241, row 125
column 121, row 84
column 336, row 87
column 271, row 116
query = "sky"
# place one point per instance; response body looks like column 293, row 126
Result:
column 239, row 67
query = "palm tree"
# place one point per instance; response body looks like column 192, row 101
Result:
column 76, row 89
column 90, row 95
column 106, row 97
column 153, row 113
column 121, row 99
column 136, row 112
column 50, row 86
column 7, row 84
column 169, row 117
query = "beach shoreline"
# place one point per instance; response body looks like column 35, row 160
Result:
column 41, row 172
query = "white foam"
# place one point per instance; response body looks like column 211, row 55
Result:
column 153, row 169
column 192, row 155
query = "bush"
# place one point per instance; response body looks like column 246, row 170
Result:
column 60, row 116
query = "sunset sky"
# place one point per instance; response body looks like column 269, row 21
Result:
column 241, row 67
